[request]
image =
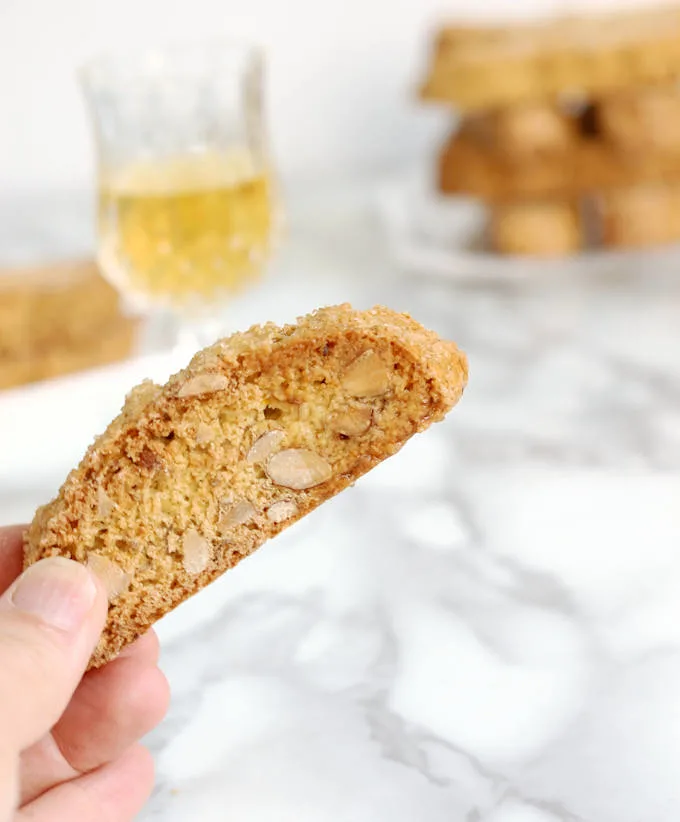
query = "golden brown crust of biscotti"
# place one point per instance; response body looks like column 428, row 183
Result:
column 58, row 319
column 257, row 431
column 469, row 168
column 524, row 133
column 66, row 304
column 576, row 57
column 642, row 120
column 113, row 343
column 536, row 229
column 640, row 217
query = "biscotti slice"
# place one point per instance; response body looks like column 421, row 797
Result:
column 536, row 228
column 640, row 216
column 522, row 133
column 642, row 120
column 468, row 168
column 552, row 59
column 113, row 342
column 66, row 304
column 260, row 429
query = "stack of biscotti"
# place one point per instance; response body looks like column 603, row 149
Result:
column 570, row 129
column 59, row 319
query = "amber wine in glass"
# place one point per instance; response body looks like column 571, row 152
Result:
column 185, row 188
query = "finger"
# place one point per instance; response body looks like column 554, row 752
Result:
column 145, row 649
column 11, row 554
column 45, row 764
column 8, row 785
column 50, row 621
column 115, row 793
column 112, row 709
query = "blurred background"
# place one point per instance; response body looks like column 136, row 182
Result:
column 341, row 88
column 477, row 620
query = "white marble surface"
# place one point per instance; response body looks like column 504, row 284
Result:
column 486, row 628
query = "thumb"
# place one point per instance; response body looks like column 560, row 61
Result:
column 50, row 621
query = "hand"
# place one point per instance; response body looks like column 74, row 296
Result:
column 68, row 742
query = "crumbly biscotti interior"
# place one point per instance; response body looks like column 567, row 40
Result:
column 259, row 430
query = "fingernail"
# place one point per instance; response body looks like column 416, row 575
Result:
column 58, row 591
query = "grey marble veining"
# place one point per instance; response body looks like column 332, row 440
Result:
column 487, row 627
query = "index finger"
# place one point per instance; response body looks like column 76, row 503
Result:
column 11, row 554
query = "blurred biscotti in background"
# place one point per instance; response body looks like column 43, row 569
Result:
column 59, row 319
column 475, row 68
column 542, row 228
column 640, row 216
column 569, row 125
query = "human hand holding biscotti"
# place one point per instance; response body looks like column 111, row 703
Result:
column 255, row 433
column 259, row 430
column 68, row 743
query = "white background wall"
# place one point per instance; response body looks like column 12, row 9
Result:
column 343, row 74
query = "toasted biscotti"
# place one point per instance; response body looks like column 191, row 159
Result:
column 114, row 342
column 58, row 319
column 524, row 133
column 66, row 304
column 642, row 120
column 573, row 57
column 536, row 228
column 468, row 167
column 257, row 431
column 640, row 217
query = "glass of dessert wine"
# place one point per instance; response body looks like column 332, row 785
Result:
column 185, row 206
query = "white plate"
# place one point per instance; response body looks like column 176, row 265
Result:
column 438, row 236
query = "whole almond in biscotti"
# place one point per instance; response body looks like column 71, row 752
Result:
column 259, row 430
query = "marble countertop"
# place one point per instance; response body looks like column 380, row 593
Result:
column 487, row 627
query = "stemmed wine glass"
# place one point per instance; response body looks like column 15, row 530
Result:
column 185, row 193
